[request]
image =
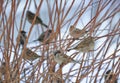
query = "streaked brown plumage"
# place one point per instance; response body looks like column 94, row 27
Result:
column 30, row 55
column 21, row 38
column 62, row 58
column 110, row 77
column 30, row 16
column 45, row 37
column 77, row 33
column 3, row 68
column 86, row 45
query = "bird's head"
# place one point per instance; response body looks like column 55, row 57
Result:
column 108, row 72
column 29, row 12
column 23, row 32
column 57, row 52
column 71, row 28
column 50, row 31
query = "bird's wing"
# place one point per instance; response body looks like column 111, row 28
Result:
column 44, row 25
column 31, row 55
column 87, row 40
column 41, row 37
column 77, row 30
column 40, row 20
column 80, row 45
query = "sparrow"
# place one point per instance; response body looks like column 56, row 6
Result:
column 30, row 17
column 110, row 77
column 30, row 55
column 45, row 36
column 86, row 45
column 21, row 38
column 62, row 58
column 3, row 68
column 76, row 33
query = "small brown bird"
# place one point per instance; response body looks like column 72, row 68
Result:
column 86, row 45
column 61, row 58
column 45, row 37
column 3, row 68
column 30, row 16
column 110, row 77
column 76, row 33
column 30, row 55
column 21, row 38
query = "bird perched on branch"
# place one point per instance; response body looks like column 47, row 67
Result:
column 110, row 77
column 45, row 36
column 62, row 58
column 30, row 16
column 3, row 68
column 30, row 55
column 76, row 33
column 86, row 45
column 21, row 38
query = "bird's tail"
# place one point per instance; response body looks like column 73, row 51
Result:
column 37, row 56
column 35, row 40
column 69, row 49
column 74, row 61
column 44, row 25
